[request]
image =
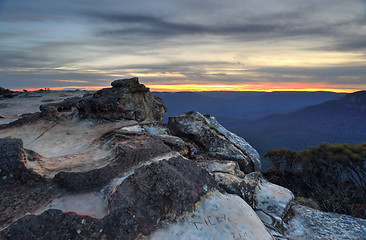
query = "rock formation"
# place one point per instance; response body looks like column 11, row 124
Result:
column 104, row 166
column 126, row 100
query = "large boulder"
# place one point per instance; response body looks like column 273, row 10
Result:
column 127, row 99
column 214, row 140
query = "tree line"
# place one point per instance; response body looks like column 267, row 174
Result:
column 332, row 175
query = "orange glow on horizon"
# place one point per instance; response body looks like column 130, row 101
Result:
column 253, row 88
column 269, row 87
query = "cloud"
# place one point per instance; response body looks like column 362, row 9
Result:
column 181, row 41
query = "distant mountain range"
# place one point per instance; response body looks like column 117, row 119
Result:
column 242, row 105
column 292, row 120
column 336, row 121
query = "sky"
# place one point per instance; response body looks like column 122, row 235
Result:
column 180, row 45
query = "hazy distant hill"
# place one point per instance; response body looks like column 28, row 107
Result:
column 336, row 121
column 228, row 106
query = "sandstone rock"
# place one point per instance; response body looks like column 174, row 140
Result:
column 230, row 183
column 239, row 142
column 176, row 143
column 272, row 202
column 155, row 193
column 127, row 99
column 54, row 224
column 63, row 106
column 194, row 127
column 226, row 173
column 131, row 149
column 13, row 159
column 249, row 185
column 229, row 167
column 308, row 223
column 216, row 217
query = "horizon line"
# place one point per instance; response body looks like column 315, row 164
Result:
column 207, row 88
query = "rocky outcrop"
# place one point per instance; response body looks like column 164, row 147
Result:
column 213, row 140
column 126, row 100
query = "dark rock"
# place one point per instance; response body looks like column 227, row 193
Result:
column 13, row 160
column 6, row 93
column 63, row 106
column 131, row 150
column 21, row 198
column 176, row 144
column 54, row 224
column 155, row 193
column 129, row 85
column 84, row 181
column 27, row 118
column 194, row 128
column 127, row 99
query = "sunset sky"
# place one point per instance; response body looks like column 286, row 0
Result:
column 184, row 45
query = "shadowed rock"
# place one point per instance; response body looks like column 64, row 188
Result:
column 13, row 159
column 54, row 224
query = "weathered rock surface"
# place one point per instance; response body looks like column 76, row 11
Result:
column 13, row 160
column 217, row 217
column 308, row 223
column 229, row 167
column 127, row 99
column 272, row 202
column 131, row 150
column 54, row 224
column 194, row 127
column 155, row 193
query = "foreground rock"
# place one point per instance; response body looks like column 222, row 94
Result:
column 166, row 200
column 308, row 223
column 214, row 141
column 14, row 159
